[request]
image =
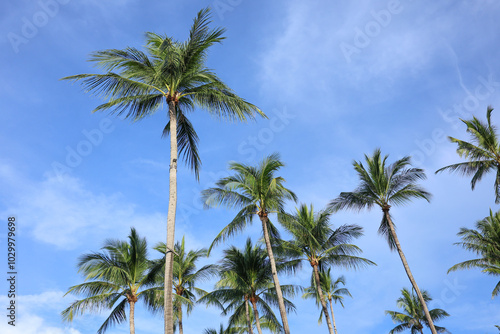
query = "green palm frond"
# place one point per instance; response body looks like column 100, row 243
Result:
column 482, row 152
column 247, row 272
column 412, row 318
column 383, row 185
column 111, row 276
column 484, row 241
column 139, row 83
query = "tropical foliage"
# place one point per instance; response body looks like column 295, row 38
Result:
column 412, row 318
column 115, row 279
column 485, row 242
column 332, row 291
column 483, row 152
column 245, row 285
column 185, row 277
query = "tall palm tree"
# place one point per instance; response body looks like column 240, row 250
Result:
column 331, row 289
column 483, row 152
column 255, row 191
column 316, row 242
column 385, row 185
column 185, row 278
column 137, row 84
column 115, row 278
column 485, row 242
column 245, row 285
column 413, row 317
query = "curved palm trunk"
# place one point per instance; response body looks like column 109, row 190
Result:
column 247, row 313
column 256, row 315
column 131, row 317
column 333, row 317
column 408, row 271
column 279, row 294
column 172, row 204
column 322, row 298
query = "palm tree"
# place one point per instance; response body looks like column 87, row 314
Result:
column 413, row 317
column 185, row 276
column 331, row 290
column 245, row 285
column 137, row 84
column 483, row 152
column 385, row 185
column 316, row 242
column 485, row 242
column 255, row 191
column 115, row 278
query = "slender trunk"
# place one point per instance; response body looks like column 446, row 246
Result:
column 247, row 313
column 279, row 294
column 131, row 317
column 408, row 271
column 181, row 330
column 333, row 317
column 256, row 315
column 322, row 298
column 172, row 204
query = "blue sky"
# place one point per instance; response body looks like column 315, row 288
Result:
column 337, row 80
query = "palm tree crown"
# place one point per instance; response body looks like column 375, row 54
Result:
column 331, row 289
column 185, row 276
column 246, row 283
column 252, row 190
column 483, row 152
column 116, row 278
column 485, row 242
column 384, row 186
column 413, row 318
column 137, row 83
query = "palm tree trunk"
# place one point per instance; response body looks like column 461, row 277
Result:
column 322, row 298
column 181, row 329
column 333, row 317
column 279, row 294
column 408, row 271
column 131, row 317
column 256, row 315
column 247, row 313
column 172, row 205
